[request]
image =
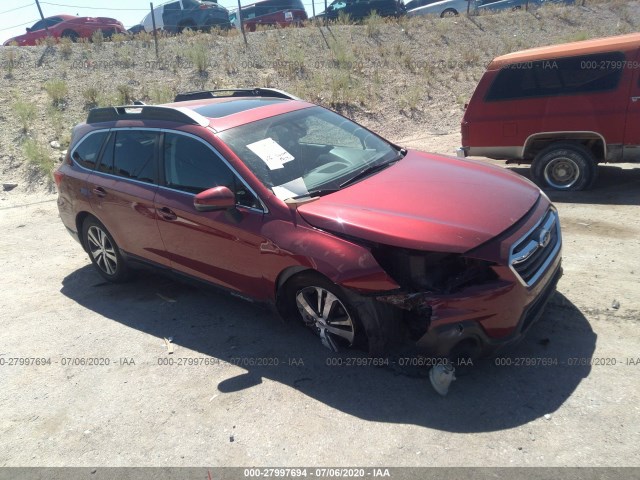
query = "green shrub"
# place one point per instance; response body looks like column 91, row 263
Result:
column 97, row 38
column 57, row 90
column 56, row 121
column 37, row 154
column 65, row 46
column 91, row 96
column 198, row 54
column 373, row 23
column 162, row 94
column 26, row 113
column 125, row 94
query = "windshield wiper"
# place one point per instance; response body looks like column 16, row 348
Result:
column 371, row 169
column 316, row 193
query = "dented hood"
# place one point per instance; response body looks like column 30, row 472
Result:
column 426, row 202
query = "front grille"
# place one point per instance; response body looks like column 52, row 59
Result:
column 531, row 256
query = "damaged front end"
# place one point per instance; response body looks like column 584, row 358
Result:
column 426, row 277
column 457, row 306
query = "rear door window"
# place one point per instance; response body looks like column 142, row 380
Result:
column 132, row 154
column 565, row 76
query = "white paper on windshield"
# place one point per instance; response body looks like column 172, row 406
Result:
column 294, row 188
column 271, row 153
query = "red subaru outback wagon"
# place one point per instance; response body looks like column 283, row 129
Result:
column 283, row 201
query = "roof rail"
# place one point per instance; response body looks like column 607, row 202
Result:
column 234, row 92
column 146, row 112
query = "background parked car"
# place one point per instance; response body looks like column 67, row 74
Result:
column 411, row 4
column 280, row 13
column 68, row 26
column 360, row 9
column 177, row 15
column 450, row 8
column 563, row 108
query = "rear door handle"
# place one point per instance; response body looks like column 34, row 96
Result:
column 99, row 191
column 167, row 214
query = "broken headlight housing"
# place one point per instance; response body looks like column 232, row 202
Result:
column 435, row 272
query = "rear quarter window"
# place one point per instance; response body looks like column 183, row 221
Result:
column 554, row 77
column 88, row 150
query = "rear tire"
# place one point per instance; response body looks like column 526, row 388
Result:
column 186, row 26
column 449, row 12
column 565, row 167
column 103, row 251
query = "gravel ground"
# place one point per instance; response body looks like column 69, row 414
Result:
column 255, row 391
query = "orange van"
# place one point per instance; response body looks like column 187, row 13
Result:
column 563, row 109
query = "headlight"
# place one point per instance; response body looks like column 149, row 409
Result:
column 433, row 271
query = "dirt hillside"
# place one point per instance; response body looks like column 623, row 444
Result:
column 407, row 79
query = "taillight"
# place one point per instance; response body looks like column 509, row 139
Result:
column 57, row 177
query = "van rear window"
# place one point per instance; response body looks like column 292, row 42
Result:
column 563, row 76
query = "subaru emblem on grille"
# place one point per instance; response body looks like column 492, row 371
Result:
column 544, row 238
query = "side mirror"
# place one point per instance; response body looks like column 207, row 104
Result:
column 217, row 198
column 28, row 30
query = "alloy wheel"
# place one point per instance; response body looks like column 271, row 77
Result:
column 326, row 314
column 102, row 250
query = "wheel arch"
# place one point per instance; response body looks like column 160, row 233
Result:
column 382, row 322
column 593, row 141
column 70, row 33
column 80, row 219
column 280, row 286
column 453, row 10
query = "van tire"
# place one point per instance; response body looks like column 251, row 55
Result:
column 564, row 167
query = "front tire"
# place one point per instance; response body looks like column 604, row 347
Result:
column 71, row 35
column 340, row 317
column 449, row 12
column 186, row 26
column 323, row 307
column 564, row 167
column 103, row 251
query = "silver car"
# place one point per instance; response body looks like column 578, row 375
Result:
column 443, row 8
column 450, row 8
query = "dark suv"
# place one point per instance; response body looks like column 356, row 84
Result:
column 285, row 202
column 177, row 15
column 361, row 9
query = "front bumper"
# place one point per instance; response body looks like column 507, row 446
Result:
column 477, row 321
column 469, row 338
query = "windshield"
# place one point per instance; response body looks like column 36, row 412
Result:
column 47, row 22
column 308, row 150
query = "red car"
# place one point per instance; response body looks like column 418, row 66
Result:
column 275, row 13
column 282, row 201
column 67, row 26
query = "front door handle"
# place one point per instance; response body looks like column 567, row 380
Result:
column 635, row 99
column 167, row 214
column 99, row 192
